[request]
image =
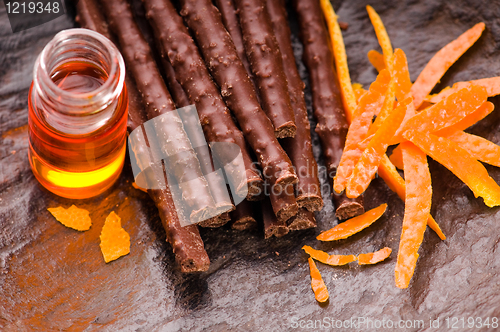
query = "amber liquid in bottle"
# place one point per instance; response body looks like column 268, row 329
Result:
column 77, row 165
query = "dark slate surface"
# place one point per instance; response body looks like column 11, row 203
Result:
column 54, row 278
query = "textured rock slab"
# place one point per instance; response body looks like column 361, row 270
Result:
column 52, row 277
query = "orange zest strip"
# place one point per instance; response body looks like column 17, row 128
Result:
column 348, row 97
column 387, row 108
column 317, row 284
column 353, row 225
column 333, row 260
column 479, row 114
column 396, row 157
column 492, row 86
column 401, row 89
column 374, row 257
column 417, row 207
column 382, row 36
column 442, row 61
column 445, row 113
column 459, row 162
column 376, row 59
column 72, row 217
column 435, row 227
column 370, row 159
column 390, row 175
column 401, row 75
column 115, row 241
column 359, row 91
column 358, row 129
column 395, row 182
column 483, row 111
column 480, row 148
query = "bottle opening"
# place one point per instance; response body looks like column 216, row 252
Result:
column 79, row 72
column 79, row 77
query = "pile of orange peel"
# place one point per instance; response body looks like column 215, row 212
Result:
column 115, row 241
column 418, row 124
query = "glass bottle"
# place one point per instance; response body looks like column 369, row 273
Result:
column 78, row 108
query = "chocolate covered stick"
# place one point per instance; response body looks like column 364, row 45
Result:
column 186, row 242
column 327, row 104
column 226, row 68
column 283, row 202
column 178, row 94
column 89, row 16
column 299, row 148
column 218, row 125
column 272, row 226
column 230, row 20
column 243, row 216
column 264, row 56
column 304, row 219
column 175, row 144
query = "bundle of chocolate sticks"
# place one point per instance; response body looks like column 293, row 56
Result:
column 234, row 61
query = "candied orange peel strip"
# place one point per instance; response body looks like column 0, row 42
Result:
column 396, row 183
column 370, row 159
column 317, row 284
column 442, row 61
column 469, row 120
column 359, row 91
column 348, row 96
column 399, row 89
column 382, row 36
column 72, row 217
column 376, row 59
column 353, row 225
column 325, row 258
column 417, row 208
column 491, row 84
column 396, row 157
column 484, row 110
column 479, row 147
column 374, row 257
column 115, row 241
column 460, row 162
column 445, row 113
column 369, row 104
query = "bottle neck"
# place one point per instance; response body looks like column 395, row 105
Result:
column 77, row 112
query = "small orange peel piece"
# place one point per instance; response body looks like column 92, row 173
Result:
column 492, row 86
column 325, row 258
column 442, row 61
column 348, row 96
column 317, row 284
column 353, row 225
column 72, row 217
column 374, row 257
column 138, row 188
column 417, row 208
column 115, row 241
column 461, row 163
